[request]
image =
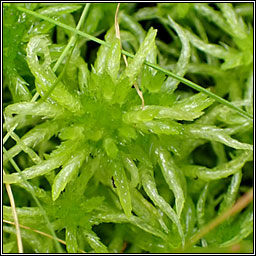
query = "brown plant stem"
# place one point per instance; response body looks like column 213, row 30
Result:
column 241, row 203
column 39, row 232
column 117, row 29
column 15, row 217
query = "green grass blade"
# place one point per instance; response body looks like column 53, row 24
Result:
column 181, row 79
column 37, row 202
column 73, row 38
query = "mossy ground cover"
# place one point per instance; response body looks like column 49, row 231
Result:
column 146, row 153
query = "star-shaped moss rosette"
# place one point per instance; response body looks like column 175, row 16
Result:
column 116, row 161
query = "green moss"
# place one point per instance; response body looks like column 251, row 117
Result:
column 97, row 155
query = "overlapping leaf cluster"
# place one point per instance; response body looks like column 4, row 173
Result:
column 110, row 175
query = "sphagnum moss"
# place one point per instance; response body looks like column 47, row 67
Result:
column 108, row 174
